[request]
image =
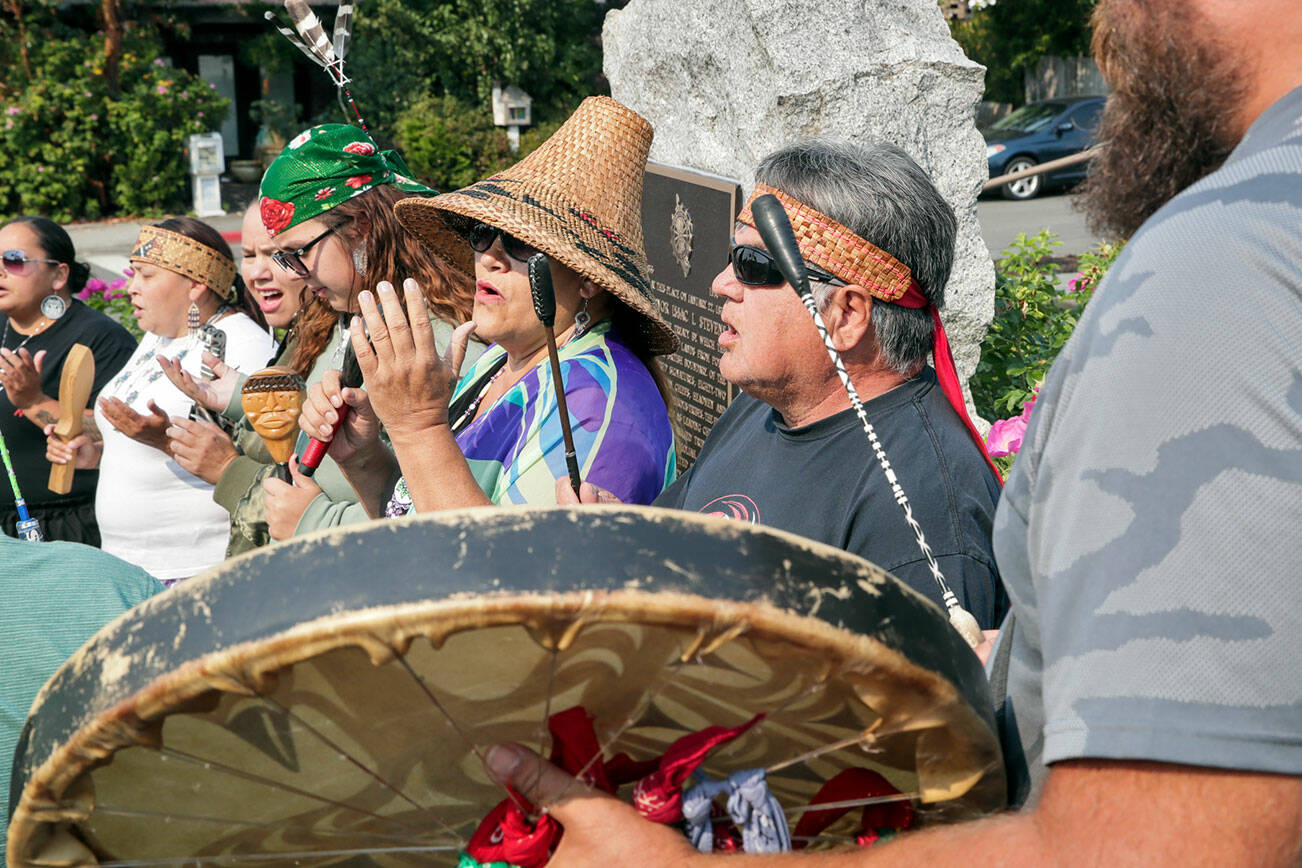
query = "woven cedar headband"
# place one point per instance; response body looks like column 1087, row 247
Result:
column 841, row 252
column 186, row 257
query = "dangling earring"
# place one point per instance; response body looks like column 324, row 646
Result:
column 581, row 320
column 359, row 260
column 53, row 306
column 192, row 319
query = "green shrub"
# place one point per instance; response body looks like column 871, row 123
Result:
column 450, row 145
column 150, row 126
column 1033, row 320
column 71, row 150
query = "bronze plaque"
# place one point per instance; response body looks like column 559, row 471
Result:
column 687, row 220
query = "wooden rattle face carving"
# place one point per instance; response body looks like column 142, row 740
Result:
column 272, row 399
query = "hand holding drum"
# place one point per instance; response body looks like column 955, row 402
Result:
column 272, row 399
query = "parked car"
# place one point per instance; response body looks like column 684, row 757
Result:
column 1037, row 133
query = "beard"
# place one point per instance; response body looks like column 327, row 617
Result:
column 1172, row 117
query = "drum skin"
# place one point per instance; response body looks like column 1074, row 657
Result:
column 477, row 607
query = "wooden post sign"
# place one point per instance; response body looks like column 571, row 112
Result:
column 75, row 385
column 687, row 220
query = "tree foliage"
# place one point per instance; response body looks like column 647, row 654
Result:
column 74, row 143
column 1011, row 36
column 407, row 50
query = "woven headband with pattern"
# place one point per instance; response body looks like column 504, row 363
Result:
column 185, row 256
column 832, row 246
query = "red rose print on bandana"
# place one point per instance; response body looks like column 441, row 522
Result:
column 324, row 193
column 364, row 149
column 275, row 214
column 358, row 180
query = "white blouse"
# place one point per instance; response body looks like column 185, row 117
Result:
column 151, row 512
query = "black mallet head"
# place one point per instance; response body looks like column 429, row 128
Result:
column 540, row 285
column 774, row 227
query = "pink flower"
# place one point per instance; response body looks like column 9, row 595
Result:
column 1005, row 437
column 13, row 110
column 158, row 61
column 364, row 149
column 88, row 94
column 1029, row 403
column 324, row 193
column 1075, row 283
column 94, row 117
column 120, row 283
column 161, row 89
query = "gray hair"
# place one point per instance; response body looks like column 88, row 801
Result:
column 882, row 195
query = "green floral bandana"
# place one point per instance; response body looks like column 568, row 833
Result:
column 324, row 167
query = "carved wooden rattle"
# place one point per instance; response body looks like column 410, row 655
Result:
column 272, row 399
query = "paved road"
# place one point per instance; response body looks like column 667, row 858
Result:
column 1002, row 219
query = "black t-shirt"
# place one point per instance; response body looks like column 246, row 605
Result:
column 823, row 482
column 110, row 344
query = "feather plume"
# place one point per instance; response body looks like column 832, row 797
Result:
column 343, row 28
column 293, row 38
column 309, row 27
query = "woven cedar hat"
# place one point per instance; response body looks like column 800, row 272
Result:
column 577, row 198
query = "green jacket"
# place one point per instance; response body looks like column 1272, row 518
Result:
column 239, row 490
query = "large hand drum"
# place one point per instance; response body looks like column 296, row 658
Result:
column 327, row 701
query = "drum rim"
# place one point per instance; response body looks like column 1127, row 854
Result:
column 103, row 732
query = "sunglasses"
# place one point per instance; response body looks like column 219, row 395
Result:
column 292, row 260
column 481, row 237
column 754, row 266
column 17, row 263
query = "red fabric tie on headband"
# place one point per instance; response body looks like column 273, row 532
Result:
column 946, row 372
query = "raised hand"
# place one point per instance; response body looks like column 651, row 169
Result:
column 20, row 375
column 213, row 394
column 409, row 383
column 200, row 447
column 150, row 430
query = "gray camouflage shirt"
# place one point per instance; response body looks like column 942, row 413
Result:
column 1150, row 536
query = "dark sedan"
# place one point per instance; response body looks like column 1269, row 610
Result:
column 1039, row 132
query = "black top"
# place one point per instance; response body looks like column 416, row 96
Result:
column 823, row 481
column 110, row 344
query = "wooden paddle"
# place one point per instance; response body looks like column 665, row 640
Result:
column 75, row 385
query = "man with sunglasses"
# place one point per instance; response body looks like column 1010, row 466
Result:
column 790, row 452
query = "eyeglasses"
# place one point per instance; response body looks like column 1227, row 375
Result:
column 756, row 267
column 17, row 263
column 481, row 236
column 292, row 260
